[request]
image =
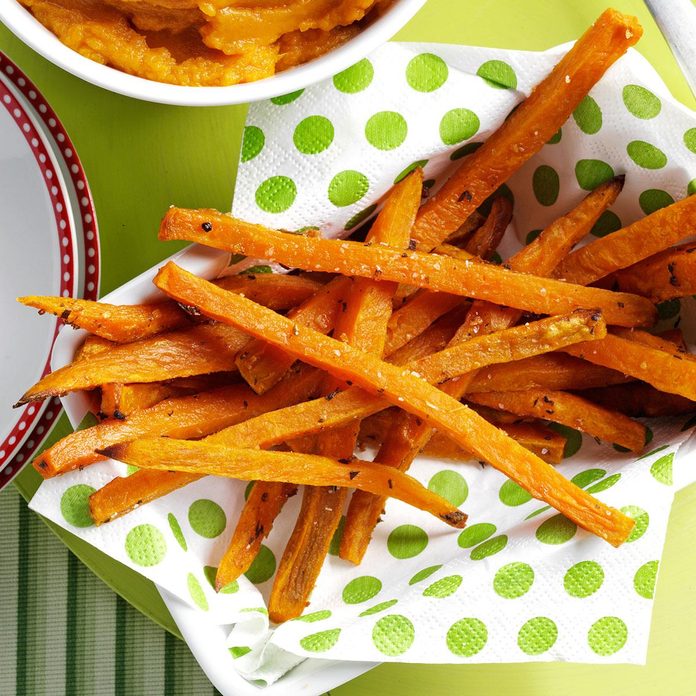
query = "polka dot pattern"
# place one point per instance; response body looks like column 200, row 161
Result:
column 74, row 504
column 393, row 635
column 583, row 579
column 458, row 125
column 513, row 580
column 356, row 78
column 347, row 187
column 537, row 636
column 207, row 518
column 467, row 637
column 361, row 589
column 263, row 567
column 276, row 194
column 588, row 116
column 313, row 135
column 146, row 545
column 426, row 72
column 407, row 541
column 607, row 635
column 386, row 130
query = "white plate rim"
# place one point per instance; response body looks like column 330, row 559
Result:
column 81, row 225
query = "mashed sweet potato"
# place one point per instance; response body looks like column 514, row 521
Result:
column 203, row 42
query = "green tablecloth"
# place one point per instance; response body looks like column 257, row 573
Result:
column 64, row 631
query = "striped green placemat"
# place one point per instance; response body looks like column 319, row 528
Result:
column 66, row 633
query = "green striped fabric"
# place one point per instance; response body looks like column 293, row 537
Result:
column 65, row 633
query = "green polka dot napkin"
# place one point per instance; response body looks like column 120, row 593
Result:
column 520, row 582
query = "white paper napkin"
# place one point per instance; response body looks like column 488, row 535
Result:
column 520, row 583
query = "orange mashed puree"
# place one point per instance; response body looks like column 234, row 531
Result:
column 204, row 42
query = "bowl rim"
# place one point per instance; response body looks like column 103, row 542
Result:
column 23, row 24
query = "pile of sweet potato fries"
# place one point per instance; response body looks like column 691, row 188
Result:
column 411, row 341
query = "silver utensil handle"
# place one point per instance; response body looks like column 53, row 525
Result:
column 677, row 21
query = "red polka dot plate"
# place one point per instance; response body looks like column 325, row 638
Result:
column 49, row 245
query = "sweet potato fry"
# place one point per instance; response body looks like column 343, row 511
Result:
column 193, row 351
column 120, row 323
column 531, row 338
column 547, row 444
column 416, row 315
column 568, row 409
column 550, row 371
column 675, row 336
column 362, row 324
column 479, row 280
column 664, row 276
column 260, row 510
column 545, row 253
column 658, row 342
column 185, row 417
column 127, row 493
column 645, row 237
column 91, row 346
column 270, row 428
column 674, row 374
column 424, row 307
column 278, row 291
column 405, row 390
column 409, row 435
column 466, row 229
column 528, row 128
column 126, row 323
column 638, row 400
column 263, row 366
column 484, row 241
column 121, row 400
column 168, row 454
column 433, row 339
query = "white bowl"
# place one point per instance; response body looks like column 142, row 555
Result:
column 22, row 23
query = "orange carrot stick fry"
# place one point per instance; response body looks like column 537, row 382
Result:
column 658, row 342
column 664, row 276
column 260, row 510
column 362, row 324
column 528, row 128
column 193, row 351
column 405, row 390
column 479, row 280
column 416, row 315
column 466, row 229
column 638, row 400
column 675, row 374
column 185, row 417
column 263, row 366
column 121, row 400
column 547, row 444
column 549, row 371
column 126, row 323
column 571, row 410
column 201, row 457
column 127, row 493
column 645, row 237
column 120, row 323
column 433, row 339
column 484, row 241
column 424, row 307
